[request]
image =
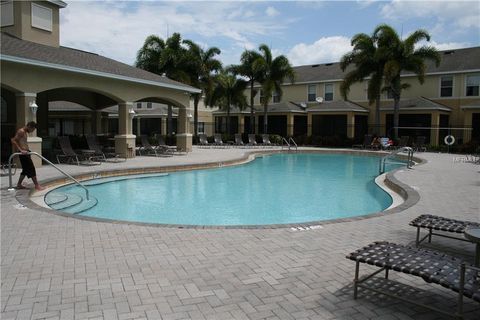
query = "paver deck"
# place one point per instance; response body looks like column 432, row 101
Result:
column 56, row 267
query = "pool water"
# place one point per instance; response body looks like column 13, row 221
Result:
column 274, row 189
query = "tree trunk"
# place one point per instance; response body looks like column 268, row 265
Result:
column 252, row 113
column 228, row 116
column 377, row 115
column 196, row 99
column 396, row 117
column 169, row 120
column 265, row 118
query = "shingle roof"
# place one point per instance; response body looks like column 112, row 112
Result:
column 281, row 107
column 339, row 105
column 63, row 56
column 420, row 103
column 452, row 61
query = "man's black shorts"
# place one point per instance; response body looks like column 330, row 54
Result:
column 28, row 169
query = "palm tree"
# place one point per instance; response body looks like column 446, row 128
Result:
column 229, row 91
column 246, row 69
column 367, row 63
column 402, row 55
column 202, row 67
column 149, row 55
column 273, row 73
column 167, row 58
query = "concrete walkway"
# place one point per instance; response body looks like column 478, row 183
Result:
column 55, row 267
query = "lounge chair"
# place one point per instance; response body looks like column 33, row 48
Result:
column 203, row 141
column 266, row 141
column 403, row 142
column 239, row 140
column 367, row 140
column 432, row 266
column 86, row 157
column 217, row 140
column 148, row 149
column 99, row 154
column 252, row 141
column 431, row 222
column 162, row 145
column 419, row 144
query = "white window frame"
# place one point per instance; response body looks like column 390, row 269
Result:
column 308, row 92
column 466, row 82
column 325, row 91
column 36, row 23
column 149, row 105
column 8, row 16
column 139, row 105
column 440, row 86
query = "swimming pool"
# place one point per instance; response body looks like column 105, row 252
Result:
column 273, row 189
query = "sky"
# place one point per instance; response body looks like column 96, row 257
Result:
column 307, row 32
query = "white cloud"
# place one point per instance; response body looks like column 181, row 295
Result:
column 462, row 14
column 326, row 49
column 118, row 29
column 448, row 45
column 272, row 12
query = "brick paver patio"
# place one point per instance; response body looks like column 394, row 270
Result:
column 56, row 267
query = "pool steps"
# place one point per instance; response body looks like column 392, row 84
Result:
column 70, row 203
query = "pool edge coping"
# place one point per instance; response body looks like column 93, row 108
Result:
column 409, row 195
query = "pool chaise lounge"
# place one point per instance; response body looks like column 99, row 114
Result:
column 432, row 222
column 432, row 266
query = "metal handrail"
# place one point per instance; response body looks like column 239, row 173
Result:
column 290, row 139
column 286, row 142
column 384, row 159
column 10, row 188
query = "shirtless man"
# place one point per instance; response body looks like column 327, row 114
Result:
column 20, row 143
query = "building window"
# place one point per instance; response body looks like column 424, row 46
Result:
column 312, row 92
column 42, row 17
column 446, row 86
column 149, row 105
column 328, row 92
column 139, row 105
column 262, row 97
column 7, row 13
column 275, row 97
column 201, row 127
column 473, row 84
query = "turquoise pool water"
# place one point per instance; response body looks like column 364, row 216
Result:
column 275, row 189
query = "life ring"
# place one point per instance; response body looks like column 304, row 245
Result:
column 449, row 140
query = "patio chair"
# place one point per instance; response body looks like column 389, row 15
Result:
column 419, row 144
column 432, row 266
column 403, row 142
column 203, row 141
column 367, row 140
column 252, row 141
column 431, row 222
column 266, row 141
column 162, row 145
column 239, row 140
column 86, row 157
column 217, row 138
column 148, row 149
column 93, row 144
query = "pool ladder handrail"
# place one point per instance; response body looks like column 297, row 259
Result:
column 289, row 143
column 10, row 188
column 384, row 159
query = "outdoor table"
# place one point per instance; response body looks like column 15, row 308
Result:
column 473, row 234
